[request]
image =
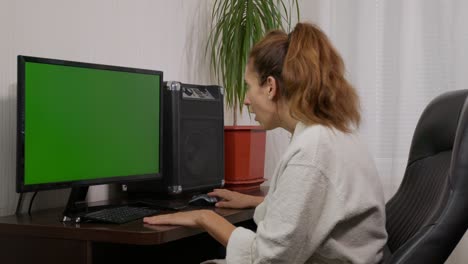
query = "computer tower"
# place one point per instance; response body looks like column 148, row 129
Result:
column 193, row 135
column 193, row 142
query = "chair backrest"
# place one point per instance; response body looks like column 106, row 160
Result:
column 428, row 215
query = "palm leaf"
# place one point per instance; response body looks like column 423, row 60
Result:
column 236, row 26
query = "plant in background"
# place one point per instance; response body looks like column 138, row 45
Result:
column 236, row 26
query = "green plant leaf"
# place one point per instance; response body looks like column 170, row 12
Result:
column 236, row 26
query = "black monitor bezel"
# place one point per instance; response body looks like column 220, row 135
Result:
column 20, row 131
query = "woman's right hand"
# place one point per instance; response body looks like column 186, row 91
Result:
column 231, row 199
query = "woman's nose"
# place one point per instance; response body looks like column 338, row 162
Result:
column 246, row 101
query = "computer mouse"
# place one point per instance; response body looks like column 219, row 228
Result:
column 203, row 200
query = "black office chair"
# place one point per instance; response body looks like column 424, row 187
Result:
column 428, row 215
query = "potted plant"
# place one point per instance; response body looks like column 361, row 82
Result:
column 236, row 26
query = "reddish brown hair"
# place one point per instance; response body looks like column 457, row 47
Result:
column 310, row 76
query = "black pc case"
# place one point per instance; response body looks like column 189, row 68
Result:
column 193, row 137
column 193, row 140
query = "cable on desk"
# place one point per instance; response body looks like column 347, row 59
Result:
column 19, row 204
column 31, row 202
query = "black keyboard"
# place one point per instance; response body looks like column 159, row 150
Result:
column 119, row 215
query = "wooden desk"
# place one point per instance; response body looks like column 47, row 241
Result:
column 42, row 238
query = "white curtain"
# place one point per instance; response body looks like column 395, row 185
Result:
column 399, row 54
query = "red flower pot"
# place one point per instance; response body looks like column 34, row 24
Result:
column 244, row 154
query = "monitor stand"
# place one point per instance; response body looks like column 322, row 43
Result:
column 75, row 204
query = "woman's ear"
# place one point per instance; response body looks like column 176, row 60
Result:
column 272, row 87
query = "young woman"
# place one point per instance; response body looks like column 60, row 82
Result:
column 325, row 203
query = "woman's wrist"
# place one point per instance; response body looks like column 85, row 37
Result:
column 258, row 200
column 254, row 201
column 203, row 218
column 216, row 225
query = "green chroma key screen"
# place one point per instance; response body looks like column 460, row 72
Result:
column 85, row 123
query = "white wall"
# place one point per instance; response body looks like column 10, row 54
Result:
column 167, row 35
column 154, row 34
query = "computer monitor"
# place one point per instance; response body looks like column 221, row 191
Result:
column 82, row 124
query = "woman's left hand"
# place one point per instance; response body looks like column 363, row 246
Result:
column 190, row 219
